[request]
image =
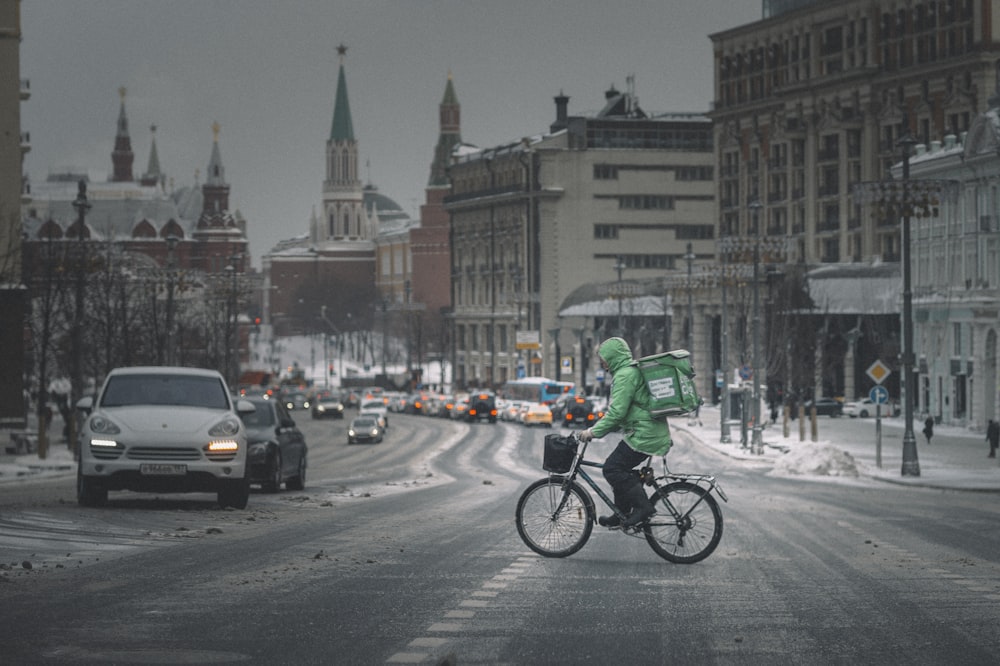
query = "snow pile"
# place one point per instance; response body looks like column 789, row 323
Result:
column 806, row 458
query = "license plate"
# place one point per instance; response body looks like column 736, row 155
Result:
column 162, row 469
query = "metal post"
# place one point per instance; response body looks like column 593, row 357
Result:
column 911, row 465
column 81, row 205
column 725, row 436
column 756, row 442
column 409, row 359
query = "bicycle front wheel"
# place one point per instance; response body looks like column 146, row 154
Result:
column 552, row 521
column 688, row 524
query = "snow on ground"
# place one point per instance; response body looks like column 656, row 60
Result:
column 816, row 459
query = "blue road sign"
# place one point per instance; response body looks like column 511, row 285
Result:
column 879, row 395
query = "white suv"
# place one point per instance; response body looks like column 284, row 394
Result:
column 163, row 429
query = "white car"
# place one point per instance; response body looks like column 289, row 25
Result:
column 375, row 407
column 163, row 430
column 865, row 408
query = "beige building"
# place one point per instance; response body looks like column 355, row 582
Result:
column 812, row 100
column 573, row 235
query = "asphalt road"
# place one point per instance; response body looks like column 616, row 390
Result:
column 406, row 552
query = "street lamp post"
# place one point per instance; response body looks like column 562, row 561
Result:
column 554, row 332
column 756, row 441
column 689, row 341
column 81, row 206
column 907, row 199
column 409, row 360
column 725, row 436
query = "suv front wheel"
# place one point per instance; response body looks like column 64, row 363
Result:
column 88, row 491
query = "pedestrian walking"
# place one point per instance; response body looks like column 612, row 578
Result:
column 993, row 437
column 929, row 428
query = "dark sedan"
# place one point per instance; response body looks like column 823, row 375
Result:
column 276, row 449
column 826, row 407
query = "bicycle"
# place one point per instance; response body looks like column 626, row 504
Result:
column 555, row 516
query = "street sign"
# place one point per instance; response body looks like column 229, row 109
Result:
column 878, row 372
column 879, row 395
column 566, row 365
column 527, row 340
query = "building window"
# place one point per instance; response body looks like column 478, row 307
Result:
column 605, row 172
column 694, row 173
column 605, row 231
column 645, row 202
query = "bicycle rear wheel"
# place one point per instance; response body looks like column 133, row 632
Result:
column 550, row 526
column 691, row 531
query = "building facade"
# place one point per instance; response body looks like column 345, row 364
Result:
column 593, row 201
column 956, row 277
column 14, row 143
column 812, row 101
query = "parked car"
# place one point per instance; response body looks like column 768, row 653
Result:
column 865, row 408
column 276, row 448
column 327, row 404
column 826, row 407
column 163, row 429
column 365, row 429
column 537, row 414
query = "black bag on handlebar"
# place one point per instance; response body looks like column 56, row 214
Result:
column 559, row 453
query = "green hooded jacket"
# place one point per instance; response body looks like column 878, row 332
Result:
column 628, row 408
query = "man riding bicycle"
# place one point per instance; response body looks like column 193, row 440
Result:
column 643, row 435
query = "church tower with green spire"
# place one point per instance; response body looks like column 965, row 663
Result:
column 344, row 216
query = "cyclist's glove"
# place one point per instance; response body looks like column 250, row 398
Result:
column 585, row 435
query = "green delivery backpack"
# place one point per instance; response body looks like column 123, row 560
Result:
column 669, row 378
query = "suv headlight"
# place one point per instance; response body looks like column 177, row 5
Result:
column 103, row 426
column 225, row 428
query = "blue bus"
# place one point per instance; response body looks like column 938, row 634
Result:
column 535, row 389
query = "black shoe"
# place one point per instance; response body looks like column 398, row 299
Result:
column 614, row 520
column 642, row 508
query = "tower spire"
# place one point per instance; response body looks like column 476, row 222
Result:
column 152, row 175
column 342, row 128
column 122, row 155
column 449, row 134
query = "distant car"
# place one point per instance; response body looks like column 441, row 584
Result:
column 575, row 410
column 865, row 408
column 296, row 400
column 482, row 407
column 276, row 448
column 459, row 409
column 365, row 429
column 163, row 430
column 826, row 407
column 376, row 408
column 510, row 410
column 537, row 414
column 327, row 404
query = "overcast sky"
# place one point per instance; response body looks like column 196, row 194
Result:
column 266, row 71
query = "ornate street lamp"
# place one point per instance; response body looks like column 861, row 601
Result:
column 81, row 206
column 907, row 199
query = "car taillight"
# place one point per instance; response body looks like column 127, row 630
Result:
column 472, row 412
column 569, row 417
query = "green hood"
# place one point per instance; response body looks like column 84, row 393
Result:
column 616, row 353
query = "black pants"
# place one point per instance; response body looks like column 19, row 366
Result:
column 618, row 468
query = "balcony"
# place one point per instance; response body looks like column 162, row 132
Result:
column 25, row 89
column 25, row 142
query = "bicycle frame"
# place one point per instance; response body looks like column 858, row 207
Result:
column 579, row 462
